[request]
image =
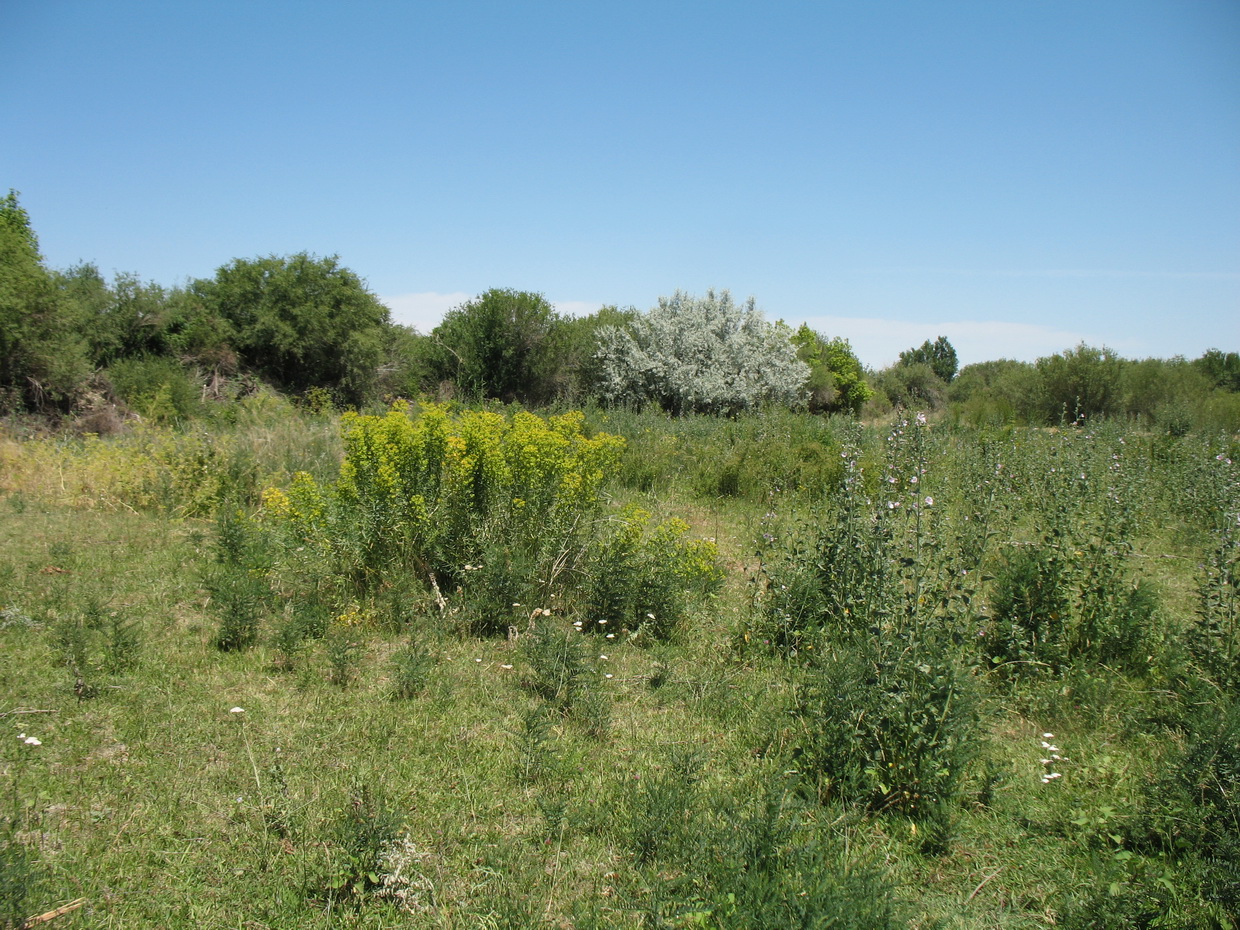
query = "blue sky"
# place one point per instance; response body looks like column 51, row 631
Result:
column 1019, row 176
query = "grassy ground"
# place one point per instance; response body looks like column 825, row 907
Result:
column 179, row 786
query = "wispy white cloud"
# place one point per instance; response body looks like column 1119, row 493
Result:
column 423, row 310
column 878, row 343
column 576, row 307
column 1058, row 273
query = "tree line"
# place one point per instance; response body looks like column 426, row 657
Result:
column 71, row 341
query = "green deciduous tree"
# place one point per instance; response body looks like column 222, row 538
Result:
column 300, row 322
column 126, row 319
column 1222, row 368
column 836, row 379
column 913, row 385
column 42, row 358
column 701, row 354
column 1080, row 382
column 940, row 355
column 502, row 344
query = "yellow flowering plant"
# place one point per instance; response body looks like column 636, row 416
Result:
column 507, row 510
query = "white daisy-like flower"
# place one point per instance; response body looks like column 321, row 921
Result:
column 237, row 710
column 31, row 741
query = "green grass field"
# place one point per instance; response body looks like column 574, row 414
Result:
column 910, row 719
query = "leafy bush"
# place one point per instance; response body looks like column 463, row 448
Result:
column 507, row 510
column 645, row 582
column 429, row 494
column 502, row 344
column 836, row 379
column 1192, row 812
column 700, row 354
column 1031, row 612
column 940, row 355
column 891, row 729
column 158, row 388
column 300, row 321
column 236, row 581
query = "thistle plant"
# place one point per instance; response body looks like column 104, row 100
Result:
column 1069, row 595
column 887, row 715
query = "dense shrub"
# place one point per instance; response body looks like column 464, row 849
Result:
column 508, row 510
column 157, row 388
column 700, row 354
column 502, row 344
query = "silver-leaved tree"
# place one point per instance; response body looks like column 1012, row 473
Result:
column 701, row 355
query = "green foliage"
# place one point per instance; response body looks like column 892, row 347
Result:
column 836, row 379
column 838, row 582
column 300, row 322
column 700, row 354
column 127, row 319
column 1079, row 383
column 1192, row 811
column 21, row 878
column 343, row 646
column 997, row 392
column 43, row 364
column 913, row 386
column 412, row 665
column 503, row 344
column 1031, row 613
column 365, row 827
column 645, row 582
column 158, row 388
column 506, row 509
column 559, row 671
column 662, row 809
column 940, row 355
column 1222, row 368
column 886, row 713
column 515, row 813
column 764, row 869
column 236, row 581
column 1214, row 637
column 892, row 729
column 731, row 864
column 581, row 369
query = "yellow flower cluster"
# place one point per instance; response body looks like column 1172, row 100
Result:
column 408, row 479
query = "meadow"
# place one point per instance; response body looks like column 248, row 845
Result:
column 441, row 666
